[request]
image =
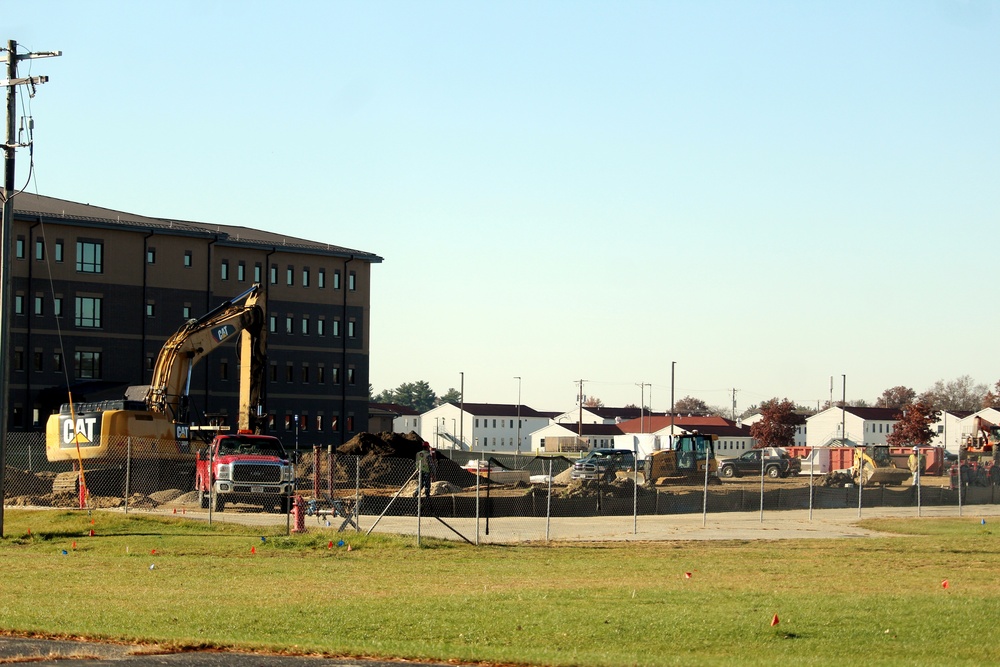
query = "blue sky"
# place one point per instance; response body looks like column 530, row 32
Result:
column 768, row 194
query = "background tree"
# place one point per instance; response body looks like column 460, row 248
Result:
column 593, row 402
column 451, row 396
column 992, row 397
column 776, row 427
column 914, row 425
column 689, row 405
column 962, row 393
column 896, row 397
column 416, row 395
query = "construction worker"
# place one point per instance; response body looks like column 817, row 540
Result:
column 424, row 472
column 916, row 463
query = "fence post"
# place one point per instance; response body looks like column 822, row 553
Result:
column 357, row 494
column 420, row 484
column 128, row 468
column 548, row 504
column 317, row 471
column 330, row 460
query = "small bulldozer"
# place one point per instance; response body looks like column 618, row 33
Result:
column 873, row 465
column 683, row 464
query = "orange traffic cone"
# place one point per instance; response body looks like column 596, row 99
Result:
column 91, row 532
column 774, row 621
column 253, row 550
column 153, row 552
column 175, row 510
column 348, row 547
column 944, row 584
column 687, row 575
column 330, row 545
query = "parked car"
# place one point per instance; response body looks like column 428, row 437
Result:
column 776, row 464
column 602, row 464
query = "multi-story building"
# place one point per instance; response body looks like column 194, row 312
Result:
column 96, row 293
column 851, row 426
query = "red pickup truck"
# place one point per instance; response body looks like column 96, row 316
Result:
column 245, row 468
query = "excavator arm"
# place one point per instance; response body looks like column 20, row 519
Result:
column 244, row 314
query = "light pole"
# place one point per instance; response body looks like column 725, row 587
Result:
column 461, row 409
column 517, row 451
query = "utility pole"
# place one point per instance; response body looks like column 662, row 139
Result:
column 10, row 145
column 579, row 421
column 734, row 403
column 518, row 450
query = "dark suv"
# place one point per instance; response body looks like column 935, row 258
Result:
column 603, row 464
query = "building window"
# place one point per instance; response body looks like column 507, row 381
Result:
column 256, row 272
column 19, row 248
column 273, row 373
column 39, row 363
column 336, row 279
column 336, row 326
column 18, row 360
column 289, row 372
column 241, row 271
column 186, row 312
column 350, row 329
column 225, row 269
column 335, row 375
column 19, row 304
column 321, row 278
column 150, row 309
column 350, row 376
column 39, row 249
column 57, row 306
column 350, row 423
column 150, row 255
column 274, row 274
column 188, row 259
column 88, row 312
column 352, row 281
column 59, row 250
column 90, row 256
column 272, row 324
column 289, row 321
column 305, row 277
column 320, row 374
column 290, row 276
column 223, row 370
column 319, row 422
column 305, row 326
column 87, row 365
column 150, row 362
column 305, row 373
column 57, row 362
column 39, row 305
column 321, row 327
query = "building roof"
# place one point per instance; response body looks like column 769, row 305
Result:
column 874, row 414
column 53, row 210
column 592, row 429
column 392, row 408
column 657, row 423
column 499, row 410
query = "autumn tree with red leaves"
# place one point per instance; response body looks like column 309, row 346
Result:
column 776, row 428
column 914, row 425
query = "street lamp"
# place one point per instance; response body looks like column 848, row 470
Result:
column 518, row 450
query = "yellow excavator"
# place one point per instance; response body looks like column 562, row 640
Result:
column 152, row 424
column 874, row 465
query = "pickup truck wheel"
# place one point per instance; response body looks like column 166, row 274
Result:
column 284, row 504
column 773, row 472
column 203, row 499
column 220, row 503
column 728, row 471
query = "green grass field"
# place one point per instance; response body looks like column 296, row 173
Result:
column 844, row 602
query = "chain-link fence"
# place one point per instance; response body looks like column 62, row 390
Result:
column 476, row 497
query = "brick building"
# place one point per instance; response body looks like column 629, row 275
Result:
column 96, row 293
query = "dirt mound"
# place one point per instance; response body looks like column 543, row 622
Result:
column 24, row 483
column 383, row 444
column 165, row 496
column 620, row 488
